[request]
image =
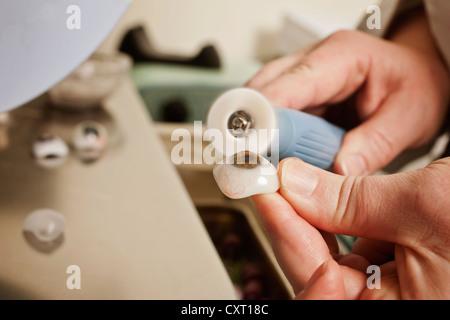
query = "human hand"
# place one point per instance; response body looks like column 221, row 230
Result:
column 401, row 93
column 402, row 221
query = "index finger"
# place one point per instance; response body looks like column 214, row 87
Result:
column 330, row 73
column 298, row 247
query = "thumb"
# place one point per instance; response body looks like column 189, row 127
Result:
column 327, row 283
column 376, row 207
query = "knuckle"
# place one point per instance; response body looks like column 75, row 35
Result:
column 382, row 145
column 430, row 203
column 302, row 69
column 343, row 35
column 347, row 202
column 305, row 67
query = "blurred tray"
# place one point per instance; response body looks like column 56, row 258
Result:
column 247, row 264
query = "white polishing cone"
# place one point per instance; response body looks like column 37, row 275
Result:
column 259, row 137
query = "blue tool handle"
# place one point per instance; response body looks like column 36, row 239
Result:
column 308, row 137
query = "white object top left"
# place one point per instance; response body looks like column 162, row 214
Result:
column 42, row 41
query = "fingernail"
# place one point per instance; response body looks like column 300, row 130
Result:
column 298, row 178
column 323, row 269
column 316, row 275
column 354, row 165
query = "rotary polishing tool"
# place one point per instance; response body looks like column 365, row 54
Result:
column 244, row 114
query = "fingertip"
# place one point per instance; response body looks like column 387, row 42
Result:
column 326, row 283
column 263, row 201
column 272, row 209
column 351, row 165
column 339, row 168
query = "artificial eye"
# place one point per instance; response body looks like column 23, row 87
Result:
column 246, row 174
column 45, row 224
column 49, row 150
column 90, row 140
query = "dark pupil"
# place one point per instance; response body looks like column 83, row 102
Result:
column 90, row 130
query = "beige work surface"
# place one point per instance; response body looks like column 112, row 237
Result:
column 130, row 224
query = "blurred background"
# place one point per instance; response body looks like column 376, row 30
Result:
column 251, row 29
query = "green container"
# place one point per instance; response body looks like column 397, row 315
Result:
column 167, row 88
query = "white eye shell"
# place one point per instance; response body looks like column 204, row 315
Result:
column 90, row 140
column 50, row 151
column 49, row 146
column 46, row 225
column 239, row 181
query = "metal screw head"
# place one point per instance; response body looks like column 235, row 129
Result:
column 240, row 123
